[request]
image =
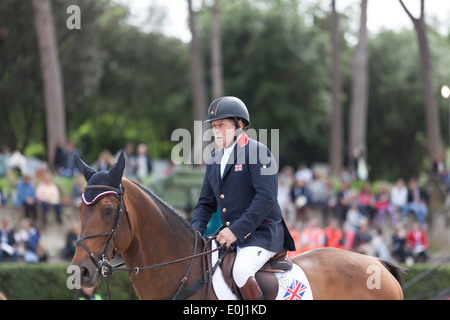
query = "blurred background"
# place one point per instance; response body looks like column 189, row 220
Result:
column 357, row 89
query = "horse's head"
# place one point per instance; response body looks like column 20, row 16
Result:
column 101, row 212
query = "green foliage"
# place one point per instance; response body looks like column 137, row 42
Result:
column 123, row 84
column 429, row 286
column 278, row 66
column 19, row 281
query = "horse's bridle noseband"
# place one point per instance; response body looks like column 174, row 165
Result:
column 103, row 264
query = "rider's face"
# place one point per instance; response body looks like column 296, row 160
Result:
column 224, row 131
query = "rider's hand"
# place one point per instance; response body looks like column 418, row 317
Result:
column 226, row 237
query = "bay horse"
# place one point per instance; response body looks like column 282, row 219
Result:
column 157, row 245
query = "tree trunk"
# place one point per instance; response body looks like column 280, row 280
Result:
column 336, row 131
column 51, row 76
column 216, row 52
column 358, row 109
column 431, row 109
column 197, row 85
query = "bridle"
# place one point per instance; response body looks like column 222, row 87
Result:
column 107, row 270
column 103, row 263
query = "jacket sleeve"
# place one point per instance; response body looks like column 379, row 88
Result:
column 265, row 182
column 206, row 205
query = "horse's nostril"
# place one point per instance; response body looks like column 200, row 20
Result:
column 84, row 273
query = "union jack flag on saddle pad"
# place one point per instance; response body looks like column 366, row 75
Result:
column 295, row 291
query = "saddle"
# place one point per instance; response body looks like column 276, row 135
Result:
column 265, row 277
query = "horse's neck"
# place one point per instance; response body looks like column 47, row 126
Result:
column 156, row 232
column 158, row 237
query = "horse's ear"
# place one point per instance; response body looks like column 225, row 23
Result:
column 115, row 174
column 87, row 171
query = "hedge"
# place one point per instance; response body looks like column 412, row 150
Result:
column 20, row 281
column 428, row 287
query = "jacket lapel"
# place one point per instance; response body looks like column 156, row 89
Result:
column 237, row 156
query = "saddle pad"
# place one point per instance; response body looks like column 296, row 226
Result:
column 292, row 285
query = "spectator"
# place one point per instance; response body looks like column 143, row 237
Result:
column 439, row 169
column 130, row 160
column 68, row 167
column 363, row 240
column 380, row 248
column 352, row 222
column 382, row 205
column 59, row 162
column 344, row 199
column 319, row 195
column 8, row 248
column 299, row 197
column 333, row 235
column 303, row 173
column 285, row 201
column 366, row 202
column 28, row 239
column 287, row 176
column 417, row 202
column 26, row 197
column 78, row 189
column 399, row 245
column 71, row 242
column 417, row 241
column 48, row 195
column 312, row 237
column 360, row 166
column 143, row 162
column 105, row 161
column 399, row 195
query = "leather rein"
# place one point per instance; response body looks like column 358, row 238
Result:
column 107, row 270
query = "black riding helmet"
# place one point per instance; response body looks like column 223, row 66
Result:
column 228, row 108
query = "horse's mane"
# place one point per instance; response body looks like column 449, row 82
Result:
column 165, row 207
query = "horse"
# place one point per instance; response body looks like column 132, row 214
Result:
column 164, row 255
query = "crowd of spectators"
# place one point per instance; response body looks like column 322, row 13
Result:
column 35, row 194
column 350, row 214
column 351, row 218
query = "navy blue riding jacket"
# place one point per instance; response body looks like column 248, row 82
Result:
column 246, row 197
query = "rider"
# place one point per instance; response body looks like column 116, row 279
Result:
column 241, row 180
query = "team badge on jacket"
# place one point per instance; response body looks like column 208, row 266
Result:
column 238, row 167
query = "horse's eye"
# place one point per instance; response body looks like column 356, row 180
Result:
column 107, row 211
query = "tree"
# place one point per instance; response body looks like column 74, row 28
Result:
column 396, row 133
column 431, row 109
column 336, row 130
column 358, row 108
column 51, row 76
column 197, row 83
column 216, row 52
column 279, row 67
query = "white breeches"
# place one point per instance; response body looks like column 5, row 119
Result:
column 248, row 261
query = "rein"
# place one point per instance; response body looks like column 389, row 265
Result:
column 107, row 270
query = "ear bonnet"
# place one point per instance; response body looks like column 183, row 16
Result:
column 112, row 179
